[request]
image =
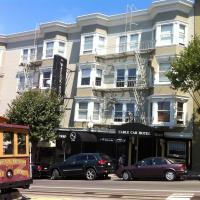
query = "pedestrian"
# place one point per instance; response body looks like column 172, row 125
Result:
column 121, row 160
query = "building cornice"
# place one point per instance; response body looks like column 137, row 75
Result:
column 101, row 19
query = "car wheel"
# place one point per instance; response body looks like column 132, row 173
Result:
column 126, row 176
column 55, row 174
column 170, row 175
column 90, row 174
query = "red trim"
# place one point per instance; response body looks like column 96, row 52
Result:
column 5, row 125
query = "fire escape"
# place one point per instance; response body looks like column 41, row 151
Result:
column 140, row 88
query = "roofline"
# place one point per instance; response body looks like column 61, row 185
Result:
column 102, row 19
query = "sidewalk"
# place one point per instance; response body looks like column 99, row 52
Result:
column 192, row 175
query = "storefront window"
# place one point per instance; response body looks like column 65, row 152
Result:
column 176, row 149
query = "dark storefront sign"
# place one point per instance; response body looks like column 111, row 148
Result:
column 138, row 129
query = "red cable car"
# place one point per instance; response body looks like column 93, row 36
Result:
column 14, row 156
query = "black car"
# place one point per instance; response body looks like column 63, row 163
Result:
column 40, row 170
column 88, row 165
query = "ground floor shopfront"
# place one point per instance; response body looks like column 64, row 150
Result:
column 134, row 141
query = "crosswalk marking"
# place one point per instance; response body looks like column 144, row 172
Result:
column 180, row 196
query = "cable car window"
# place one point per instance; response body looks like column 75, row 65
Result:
column 8, row 143
column 21, row 143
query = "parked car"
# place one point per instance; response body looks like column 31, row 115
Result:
column 40, row 170
column 88, row 165
column 154, row 167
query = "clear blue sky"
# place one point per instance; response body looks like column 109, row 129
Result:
column 23, row 15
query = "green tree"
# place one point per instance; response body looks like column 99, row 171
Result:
column 185, row 70
column 40, row 111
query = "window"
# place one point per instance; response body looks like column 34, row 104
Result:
column 181, row 34
column 21, row 82
column 101, row 42
column 85, row 80
column 25, row 55
column 124, row 112
column 180, row 113
column 120, row 78
column 118, row 112
column 134, row 42
column 122, row 44
column 129, row 112
column 159, row 161
column 98, row 77
column 91, row 157
column 8, row 139
column 163, row 111
column 21, row 143
column 61, row 48
column 96, row 111
column 32, row 54
column 163, row 69
column 176, row 149
column 166, row 36
column 83, row 110
column 81, row 158
column 46, row 79
column 49, row 49
column 88, row 44
column 131, row 77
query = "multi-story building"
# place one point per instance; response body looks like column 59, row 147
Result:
column 116, row 75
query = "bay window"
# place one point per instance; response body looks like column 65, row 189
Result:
column 96, row 111
column 163, row 111
column 61, row 48
column 85, row 76
column 88, row 44
column 163, row 69
column 166, row 36
column 181, row 34
column 49, row 49
column 83, row 110
column 180, row 113
column 101, row 42
column 98, row 77
column 169, row 112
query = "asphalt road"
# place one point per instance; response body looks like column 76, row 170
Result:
column 114, row 188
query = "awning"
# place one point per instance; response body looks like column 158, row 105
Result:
column 137, row 129
column 76, row 136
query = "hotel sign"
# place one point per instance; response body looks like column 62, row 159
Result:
column 145, row 133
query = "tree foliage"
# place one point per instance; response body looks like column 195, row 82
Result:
column 40, row 111
column 185, row 70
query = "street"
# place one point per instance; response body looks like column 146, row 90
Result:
column 113, row 188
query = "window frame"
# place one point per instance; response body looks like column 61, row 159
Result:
column 41, row 78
